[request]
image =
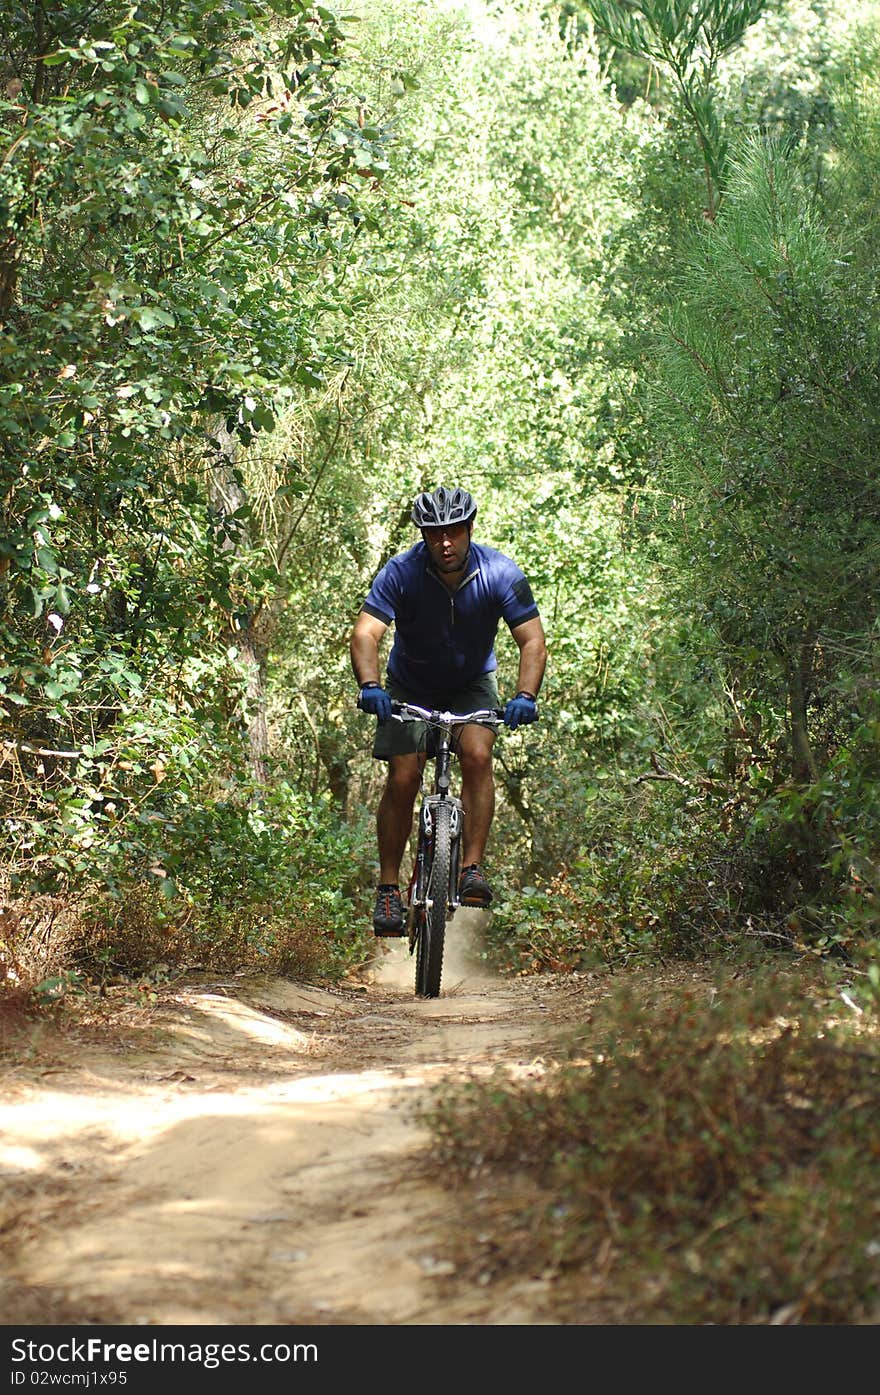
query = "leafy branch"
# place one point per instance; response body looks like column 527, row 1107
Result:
column 686, row 38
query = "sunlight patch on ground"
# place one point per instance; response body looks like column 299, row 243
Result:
column 253, row 1024
column 13, row 1160
column 46, row 1125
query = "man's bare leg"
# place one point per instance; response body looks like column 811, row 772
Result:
column 477, row 790
column 394, row 814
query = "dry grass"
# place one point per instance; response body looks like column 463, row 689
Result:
column 52, row 951
column 695, row 1157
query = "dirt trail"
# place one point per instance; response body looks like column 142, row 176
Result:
column 243, row 1152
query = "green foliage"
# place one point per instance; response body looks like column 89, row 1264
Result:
column 175, row 182
column 483, row 339
column 265, row 271
column 766, row 413
column 658, row 875
column 788, row 76
column 684, row 862
column 250, row 878
column 828, row 908
column 496, row 335
column 687, row 40
column 757, row 511
column 709, row 1153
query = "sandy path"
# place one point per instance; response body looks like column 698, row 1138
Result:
column 248, row 1157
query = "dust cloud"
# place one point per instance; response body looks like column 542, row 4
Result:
column 464, row 963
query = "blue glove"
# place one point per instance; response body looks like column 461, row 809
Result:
column 374, row 699
column 520, row 710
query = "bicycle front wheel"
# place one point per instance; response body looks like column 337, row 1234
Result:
column 432, row 931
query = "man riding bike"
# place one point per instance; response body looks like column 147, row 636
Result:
column 446, row 597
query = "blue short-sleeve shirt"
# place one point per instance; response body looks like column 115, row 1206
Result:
column 445, row 639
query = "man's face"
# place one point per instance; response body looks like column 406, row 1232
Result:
column 448, row 546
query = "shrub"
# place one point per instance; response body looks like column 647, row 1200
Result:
column 655, row 878
column 716, row 1151
column 257, row 878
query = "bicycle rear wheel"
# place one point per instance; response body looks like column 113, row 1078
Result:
column 432, row 929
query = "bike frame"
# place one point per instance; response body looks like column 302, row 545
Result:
column 422, row 912
column 418, row 885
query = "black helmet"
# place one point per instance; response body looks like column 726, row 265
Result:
column 442, row 508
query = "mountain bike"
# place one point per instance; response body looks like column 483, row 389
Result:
column 432, row 896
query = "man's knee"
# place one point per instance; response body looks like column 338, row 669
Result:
column 476, row 761
column 404, row 776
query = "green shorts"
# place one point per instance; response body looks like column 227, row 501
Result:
column 404, row 738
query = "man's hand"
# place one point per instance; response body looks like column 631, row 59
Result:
column 520, row 710
column 374, row 699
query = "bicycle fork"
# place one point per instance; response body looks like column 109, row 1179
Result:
column 419, row 885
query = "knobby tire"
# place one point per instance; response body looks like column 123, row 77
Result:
column 432, row 932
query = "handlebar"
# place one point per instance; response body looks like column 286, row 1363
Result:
column 411, row 712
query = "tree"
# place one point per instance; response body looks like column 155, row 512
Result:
column 767, row 408
column 175, row 180
column 685, row 38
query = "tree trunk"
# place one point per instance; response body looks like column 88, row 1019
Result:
column 804, row 767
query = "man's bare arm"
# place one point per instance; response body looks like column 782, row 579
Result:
column 366, row 638
column 532, row 655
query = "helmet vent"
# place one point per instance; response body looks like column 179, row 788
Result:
column 442, row 507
